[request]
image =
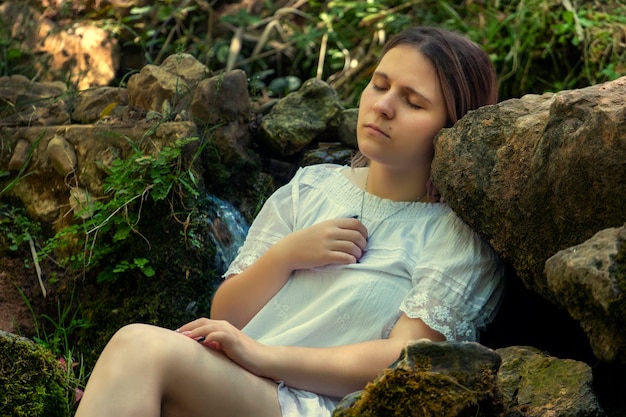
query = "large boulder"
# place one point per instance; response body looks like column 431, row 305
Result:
column 590, row 279
column 540, row 174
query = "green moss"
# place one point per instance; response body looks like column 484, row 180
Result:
column 32, row 383
column 541, row 373
column 401, row 392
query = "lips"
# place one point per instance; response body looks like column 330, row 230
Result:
column 375, row 129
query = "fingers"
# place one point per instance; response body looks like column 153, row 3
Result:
column 350, row 238
column 350, row 229
column 189, row 327
column 338, row 241
column 346, row 251
column 205, row 331
column 221, row 336
column 331, row 242
column 202, row 327
column 343, row 240
column 353, row 224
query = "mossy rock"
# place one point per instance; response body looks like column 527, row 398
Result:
column 444, row 379
column 32, row 381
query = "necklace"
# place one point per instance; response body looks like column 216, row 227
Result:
column 370, row 233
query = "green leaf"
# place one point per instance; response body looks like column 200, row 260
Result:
column 122, row 232
column 140, row 262
column 122, row 266
column 148, row 271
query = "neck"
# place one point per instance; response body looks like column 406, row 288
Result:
column 398, row 185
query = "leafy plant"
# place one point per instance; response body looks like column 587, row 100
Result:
column 603, row 46
column 113, row 221
column 540, row 46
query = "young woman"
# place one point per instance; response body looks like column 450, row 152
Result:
column 341, row 268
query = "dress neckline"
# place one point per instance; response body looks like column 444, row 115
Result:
column 374, row 207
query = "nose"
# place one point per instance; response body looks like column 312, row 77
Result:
column 384, row 106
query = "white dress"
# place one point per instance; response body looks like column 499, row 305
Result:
column 421, row 259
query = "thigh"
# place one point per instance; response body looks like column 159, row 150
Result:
column 198, row 381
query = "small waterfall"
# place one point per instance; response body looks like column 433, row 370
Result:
column 228, row 230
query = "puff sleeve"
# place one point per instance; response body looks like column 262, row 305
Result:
column 458, row 284
column 274, row 221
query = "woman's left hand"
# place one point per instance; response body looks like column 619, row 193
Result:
column 222, row 336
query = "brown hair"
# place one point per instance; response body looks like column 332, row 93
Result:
column 465, row 72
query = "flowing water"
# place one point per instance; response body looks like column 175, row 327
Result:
column 228, row 230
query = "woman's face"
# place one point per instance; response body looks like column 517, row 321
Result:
column 401, row 111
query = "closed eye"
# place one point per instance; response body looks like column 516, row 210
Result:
column 406, row 99
column 411, row 104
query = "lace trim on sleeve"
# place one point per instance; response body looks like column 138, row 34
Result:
column 438, row 316
column 240, row 265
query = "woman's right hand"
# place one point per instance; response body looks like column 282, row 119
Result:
column 332, row 242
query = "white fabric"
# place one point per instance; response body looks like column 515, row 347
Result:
column 298, row 403
column 421, row 259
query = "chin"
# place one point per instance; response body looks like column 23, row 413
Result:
column 365, row 148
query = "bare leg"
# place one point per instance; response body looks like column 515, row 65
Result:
column 145, row 368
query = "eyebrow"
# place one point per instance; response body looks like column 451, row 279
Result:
column 411, row 90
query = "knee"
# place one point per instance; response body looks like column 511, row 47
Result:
column 131, row 334
column 141, row 342
column 133, row 331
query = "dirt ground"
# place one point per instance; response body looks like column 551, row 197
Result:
column 18, row 310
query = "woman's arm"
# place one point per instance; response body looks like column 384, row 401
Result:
column 338, row 371
column 333, row 371
column 332, row 242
